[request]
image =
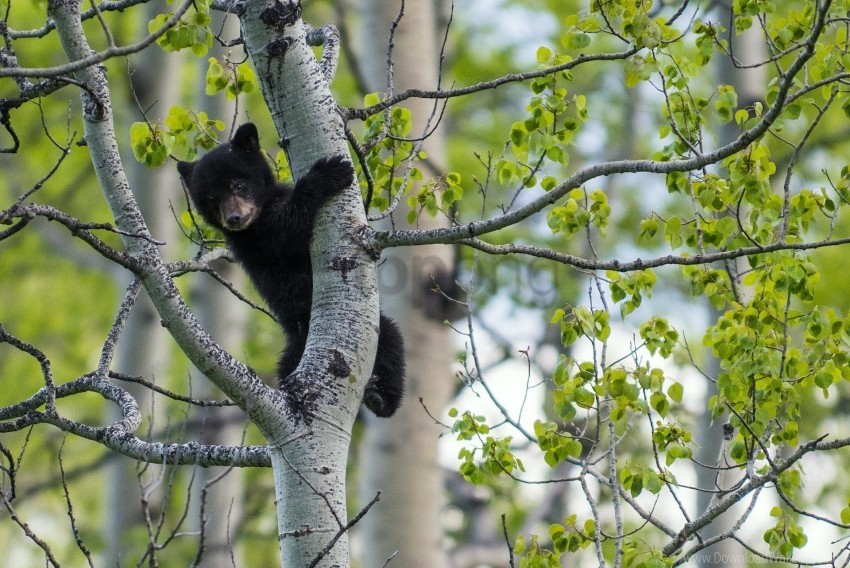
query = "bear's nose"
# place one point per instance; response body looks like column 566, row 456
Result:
column 234, row 219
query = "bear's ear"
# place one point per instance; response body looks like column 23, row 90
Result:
column 246, row 138
column 185, row 169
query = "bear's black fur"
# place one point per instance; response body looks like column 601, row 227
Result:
column 268, row 226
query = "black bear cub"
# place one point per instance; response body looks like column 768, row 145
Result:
column 268, row 226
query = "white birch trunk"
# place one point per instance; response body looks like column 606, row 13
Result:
column 310, row 462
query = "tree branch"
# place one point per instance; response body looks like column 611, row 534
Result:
column 753, row 484
column 364, row 113
column 641, row 264
column 118, row 436
column 104, row 6
column 384, row 239
column 79, row 229
column 328, row 37
column 97, row 57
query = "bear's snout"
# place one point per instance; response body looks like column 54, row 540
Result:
column 237, row 213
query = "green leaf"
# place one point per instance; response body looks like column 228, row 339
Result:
column 652, row 482
column 519, row 545
column 660, row 403
column 726, row 103
column 575, row 40
column 676, row 391
column 518, row 134
column 544, row 54
column 584, row 398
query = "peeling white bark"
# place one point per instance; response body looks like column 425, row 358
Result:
column 309, row 460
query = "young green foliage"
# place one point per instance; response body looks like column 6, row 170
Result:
column 191, row 31
column 181, row 133
column 491, row 456
column 229, row 77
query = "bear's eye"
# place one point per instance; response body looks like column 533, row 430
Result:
column 239, row 186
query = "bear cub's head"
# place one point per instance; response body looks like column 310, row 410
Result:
column 232, row 183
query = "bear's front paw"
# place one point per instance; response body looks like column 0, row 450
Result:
column 336, row 171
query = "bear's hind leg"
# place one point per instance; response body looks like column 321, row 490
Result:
column 385, row 388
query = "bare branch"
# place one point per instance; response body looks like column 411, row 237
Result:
column 51, row 559
column 391, row 101
column 640, row 264
column 49, row 390
column 167, row 393
column 117, row 327
column 118, row 436
column 97, row 57
column 104, row 6
column 74, row 529
column 80, row 229
column 328, row 37
column 344, row 529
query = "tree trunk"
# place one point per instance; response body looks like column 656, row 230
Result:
column 399, row 456
column 309, row 453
